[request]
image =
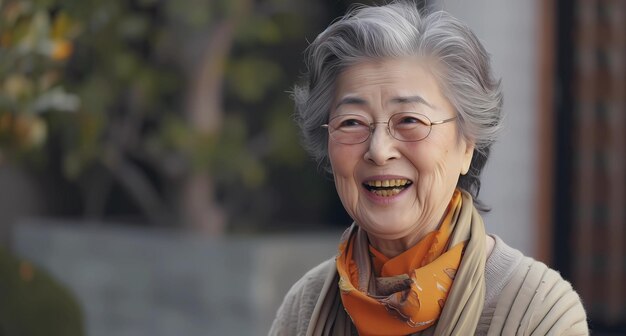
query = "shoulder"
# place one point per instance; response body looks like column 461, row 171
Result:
column 537, row 300
column 499, row 268
column 295, row 312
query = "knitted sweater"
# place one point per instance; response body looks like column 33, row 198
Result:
column 522, row 297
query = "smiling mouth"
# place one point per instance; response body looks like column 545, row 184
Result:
column 387, row 188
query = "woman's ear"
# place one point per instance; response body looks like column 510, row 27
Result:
column 467, row 157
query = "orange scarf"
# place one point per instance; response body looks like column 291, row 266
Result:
column 411, row 289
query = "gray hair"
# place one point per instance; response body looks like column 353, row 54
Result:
column 395, row 30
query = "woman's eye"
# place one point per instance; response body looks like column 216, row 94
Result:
column 351, row 123
column 409, row 120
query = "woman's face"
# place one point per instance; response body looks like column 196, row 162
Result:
column 427, row 170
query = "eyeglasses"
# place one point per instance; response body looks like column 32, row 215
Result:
column 352, row 129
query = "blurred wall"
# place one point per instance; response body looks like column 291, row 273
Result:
column 132, row 281
column 508, row 30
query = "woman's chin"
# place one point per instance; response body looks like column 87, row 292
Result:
column 388, row 232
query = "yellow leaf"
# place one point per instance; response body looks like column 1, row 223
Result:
column 61, row 50
column 5, row 39
column 61, row 27
column 29, row 131
column 17, row 86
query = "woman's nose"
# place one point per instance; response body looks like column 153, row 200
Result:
column 382, row 147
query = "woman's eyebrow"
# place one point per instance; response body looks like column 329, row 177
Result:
column 411, row 99
column 395, row 100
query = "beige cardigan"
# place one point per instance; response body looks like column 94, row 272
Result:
column 523, row 297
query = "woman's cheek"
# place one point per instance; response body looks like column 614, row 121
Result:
column 347, row 191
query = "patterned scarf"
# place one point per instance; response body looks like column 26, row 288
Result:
column 405, row 294
column 465, row 299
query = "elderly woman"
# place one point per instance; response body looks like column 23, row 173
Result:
column 403, row 109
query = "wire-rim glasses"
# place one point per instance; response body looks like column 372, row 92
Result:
column 352, row 129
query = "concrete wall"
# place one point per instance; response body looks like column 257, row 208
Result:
column 137, row 282
column 508, row 29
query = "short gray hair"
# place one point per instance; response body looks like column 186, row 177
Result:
column 395, row 30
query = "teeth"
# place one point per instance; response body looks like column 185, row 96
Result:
column 388, row 183
column 392, row 186
column 387, row 192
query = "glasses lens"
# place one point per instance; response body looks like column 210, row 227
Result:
column 349, row 129
column 408, row 126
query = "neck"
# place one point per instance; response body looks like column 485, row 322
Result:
column 391, row 248
column 396, row 245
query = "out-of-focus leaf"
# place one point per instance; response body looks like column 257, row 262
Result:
column 49, row 79
column 45, row 4
column 97, row 94
column 23, row 131
column 133, row 27
column 101, row 17
column 259, row 29
column 61, row 49
column 195, row 13
column 175, row 135
column 18, row 86
column 12, row 10
column 36, row 35
column 90, row 126
column 126, row 65
column 286, row 147
column 56, row 99
column 63, row 27
column 147, row 3
column 250, row 78
column 234, row 128
column 87, row 131
column 252, row 171
column 291, row 25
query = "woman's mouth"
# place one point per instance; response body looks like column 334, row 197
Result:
column 387, row 188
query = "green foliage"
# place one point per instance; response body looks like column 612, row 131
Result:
column 33, row 303
column 87, row 84
column 260, row 29
column 253, row 78
column 281, row 134
column 34, row 48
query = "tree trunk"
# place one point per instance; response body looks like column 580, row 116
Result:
column 205, row 112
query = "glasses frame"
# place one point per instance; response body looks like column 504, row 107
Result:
column 372, row 127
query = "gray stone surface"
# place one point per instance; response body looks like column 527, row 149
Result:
column 135, row 282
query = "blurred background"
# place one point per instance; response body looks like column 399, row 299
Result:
column 152, row 181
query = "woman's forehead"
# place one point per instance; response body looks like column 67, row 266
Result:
column 386, row 83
